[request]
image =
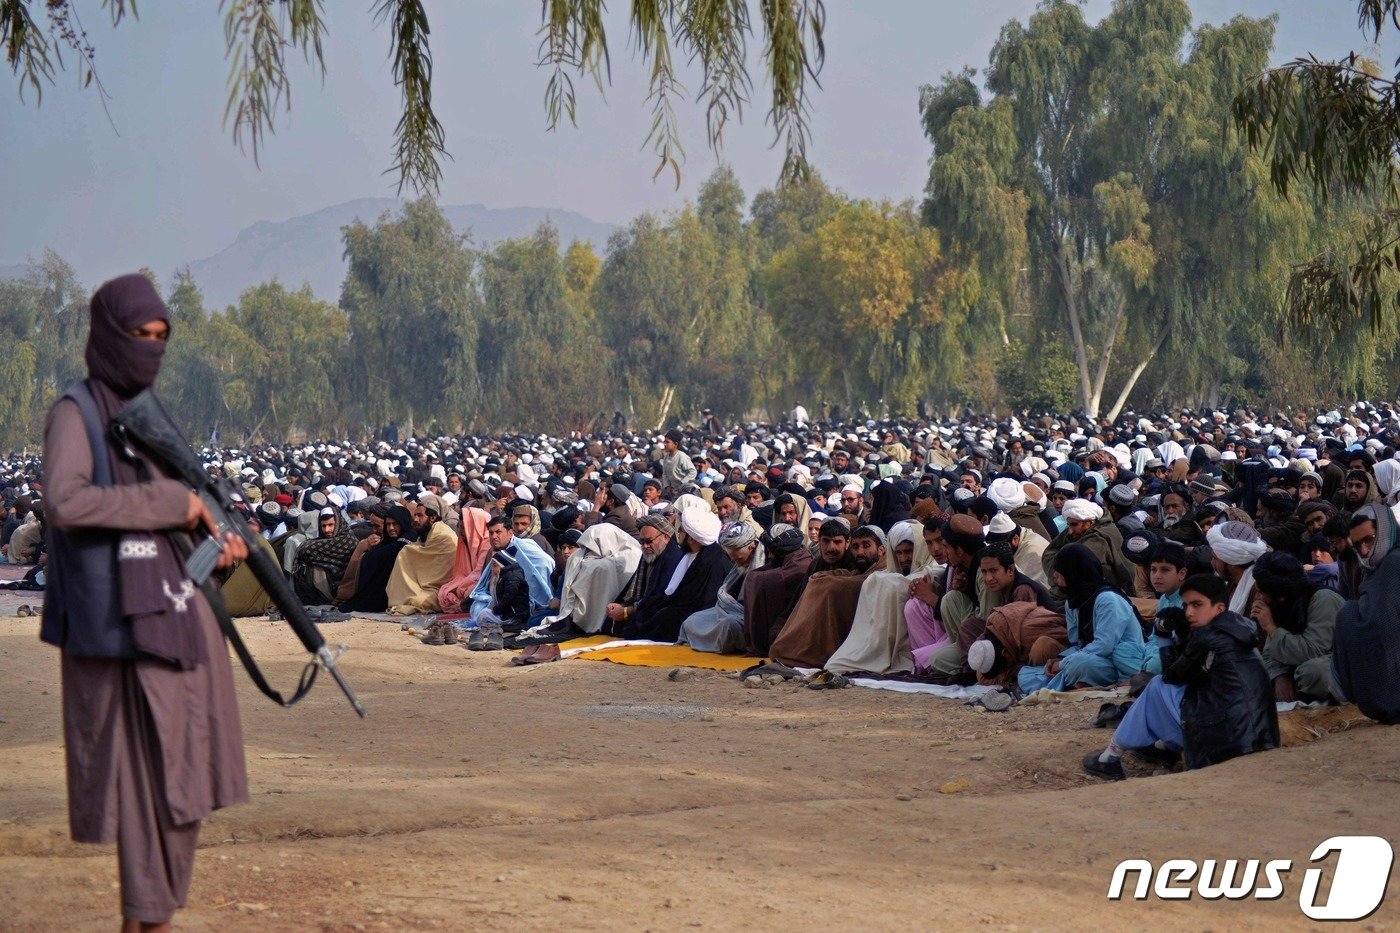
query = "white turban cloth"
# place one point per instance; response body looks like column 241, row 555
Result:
column 1235, row 543
column 1081, row 510
column 1006, row 493
column 701, row 524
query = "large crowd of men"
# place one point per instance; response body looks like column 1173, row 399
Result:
column 1219, row 562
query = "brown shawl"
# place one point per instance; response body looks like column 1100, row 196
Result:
column 822, row 618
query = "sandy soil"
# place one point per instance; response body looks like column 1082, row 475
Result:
column 586, row 794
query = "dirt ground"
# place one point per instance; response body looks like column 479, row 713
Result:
column 585, row 794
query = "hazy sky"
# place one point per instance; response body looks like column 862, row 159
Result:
column 167, row 186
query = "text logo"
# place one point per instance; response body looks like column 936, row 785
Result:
column 1358, row 881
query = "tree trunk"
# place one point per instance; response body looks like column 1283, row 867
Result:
column 1135, row 374
column 665, row 408
column 1077, row 335
column 1107, row 354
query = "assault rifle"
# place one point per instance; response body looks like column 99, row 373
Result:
column 144, row 423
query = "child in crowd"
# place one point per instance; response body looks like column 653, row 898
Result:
column 1227, row 709
column 1152, row 724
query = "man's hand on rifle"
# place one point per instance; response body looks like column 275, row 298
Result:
column 197, row 514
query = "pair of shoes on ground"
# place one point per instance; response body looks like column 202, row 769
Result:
column 25, row 611
column 536, row 654
column 441, row 633
column 1110, row 714
column 486, row 638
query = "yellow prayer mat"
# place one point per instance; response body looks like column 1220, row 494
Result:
column 662, row 656
column 588, row 641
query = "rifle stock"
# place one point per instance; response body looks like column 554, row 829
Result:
column 144, row 422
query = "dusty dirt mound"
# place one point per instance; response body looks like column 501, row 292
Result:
column 1301, row 726
column 588, row 795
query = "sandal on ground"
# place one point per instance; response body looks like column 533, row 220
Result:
column 24, row 611
column 544, row 654
column 827, row 680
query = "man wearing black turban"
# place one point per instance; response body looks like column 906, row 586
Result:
column 150, row 720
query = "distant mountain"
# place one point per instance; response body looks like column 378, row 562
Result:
column 307, row 249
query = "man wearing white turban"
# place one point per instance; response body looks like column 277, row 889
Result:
column 720, row 629
column 1234, row 547
column 694, row 584
column 1086, row 524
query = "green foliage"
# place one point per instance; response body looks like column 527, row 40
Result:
column 1043, row 381
column 1333, row 128
column 413, row 315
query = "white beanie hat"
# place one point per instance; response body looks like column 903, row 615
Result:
column 981, row 656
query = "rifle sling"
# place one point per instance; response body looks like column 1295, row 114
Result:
column 216, row 603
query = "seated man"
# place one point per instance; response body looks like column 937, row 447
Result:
column 321, row 563
column 1086, row 524
column 535, row 566
column 1366, row 644
column 24, row 543
column 771, row 591
column 1015, row 634
column 424, row 565
column 694, row 583
column 879, row 638
column 605, row 559
column 936, row 612
column 370, row 582
column 1106, row 639
column 1296, row 620
column 822, row 618
column 720, row 629
column 1227, row 709
column 660, row 554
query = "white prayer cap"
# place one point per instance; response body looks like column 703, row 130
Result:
column 1081, row 510
column 1001, row 524
column 854, row 487
column 981, row 655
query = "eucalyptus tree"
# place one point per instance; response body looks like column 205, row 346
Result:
column 1098, row 156
column 413, row 311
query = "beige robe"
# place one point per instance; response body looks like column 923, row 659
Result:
column 421, row 568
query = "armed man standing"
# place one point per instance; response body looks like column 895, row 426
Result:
column 150, row 718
